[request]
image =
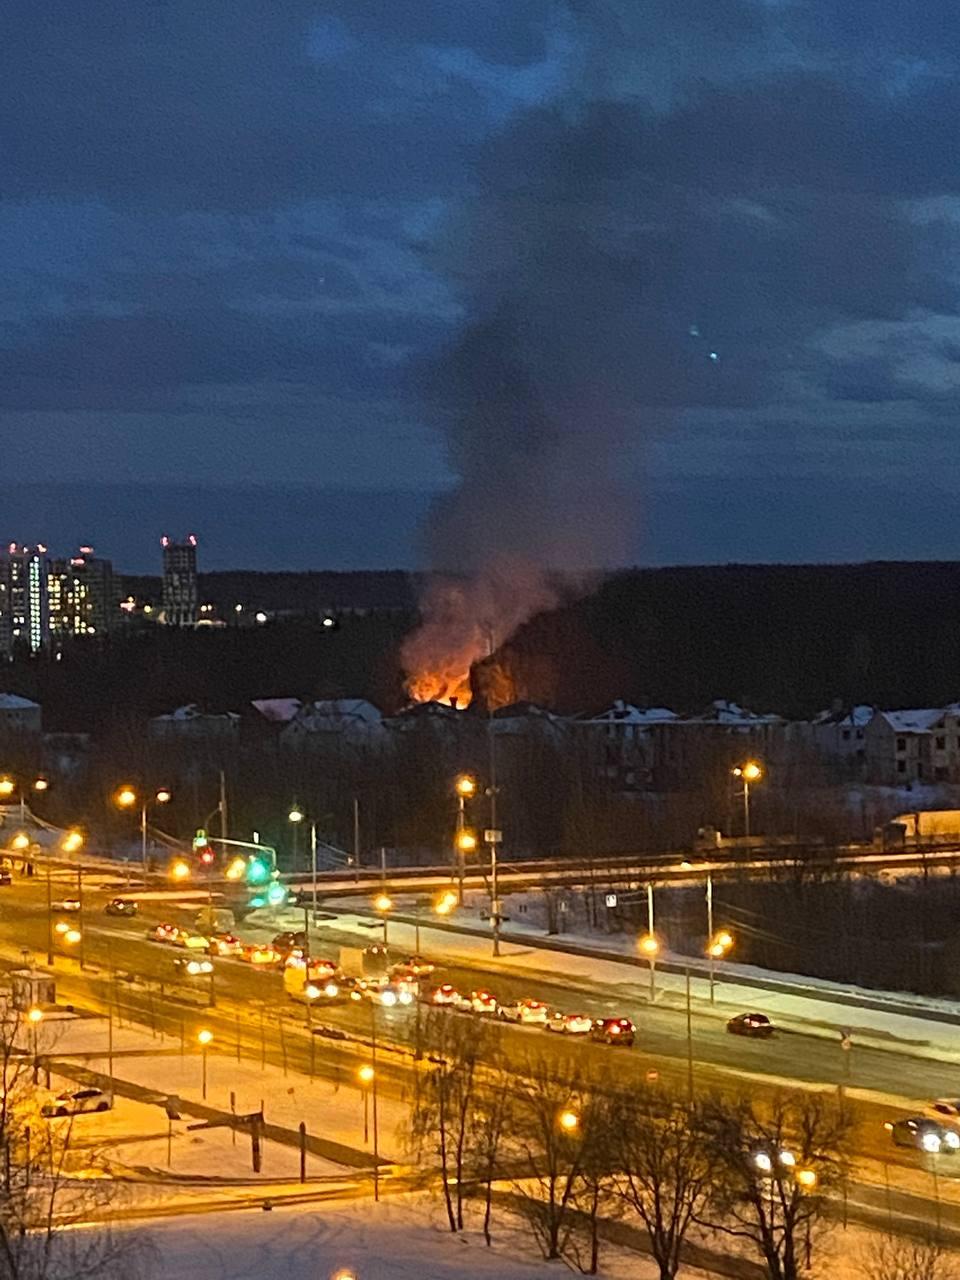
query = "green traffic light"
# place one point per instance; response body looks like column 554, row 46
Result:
column 257, row 871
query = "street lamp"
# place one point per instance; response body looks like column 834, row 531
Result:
column 568, row 1121
column 748, row 773
column 126, row 798
column 204, row 1038
column 72, row 842
column 650, row 947
column 384, row 905
column 10, row 785
column 366, row 1076
column 465, row 788
column 717, row 948
column 35, row 1017
column 296, row 816
column 179, row 869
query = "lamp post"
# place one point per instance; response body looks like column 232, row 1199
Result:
column 650, row 947
column 126, row 798
column 383, row 904
column 466, row 788
column 35, row 1017
column 10, row 785
column 717, row 948
column 366, row 1075
column 296, row 816
column 204, row 1038
column 748, row 773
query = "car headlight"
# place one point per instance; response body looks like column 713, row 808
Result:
column 406, row 997
column 389, row 998
column 930, row 1142
column 788, row 1159
column 311, row 992
column 763, row 1161
column 951, row 1140
column 331, row 990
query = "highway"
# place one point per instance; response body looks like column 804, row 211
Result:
column 253, row 1016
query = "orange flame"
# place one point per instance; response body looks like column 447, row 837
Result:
column 441, row 686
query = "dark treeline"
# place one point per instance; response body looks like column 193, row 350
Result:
column 295, row 592
column 788, row 638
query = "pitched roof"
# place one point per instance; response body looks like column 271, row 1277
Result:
column 13, row 702
column 918, row 721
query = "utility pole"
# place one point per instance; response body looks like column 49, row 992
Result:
column 313, row 866
column 80, row 912
column 223, row 805
column 356, row 839
column 49, row 917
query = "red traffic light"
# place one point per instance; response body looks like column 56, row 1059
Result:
column 206, row 857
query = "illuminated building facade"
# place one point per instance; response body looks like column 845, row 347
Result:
column 179, row 582
column 80, row 591
column 23, row 598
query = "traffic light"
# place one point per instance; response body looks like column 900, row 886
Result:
column 200, row 840
column 206, row 856
column 257, row 871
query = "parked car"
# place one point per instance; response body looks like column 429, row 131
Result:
column 483, row 1002
column 122, row 907
column 613, row 1031
column 256, row 954
column 193, row 966
column 76, row 1102
column 923, row 1134
column 570, row 1024
column 528, row 1013
column 945, row 1109
column 6, row 879
column 447, row 996
column 757, row 1025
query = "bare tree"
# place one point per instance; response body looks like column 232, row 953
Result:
column 594, row 1193
column 665, row 1169
column 550, row 1130
column 897, row 1258
column 446, row 1105
column 46, row 1186
column 774, row 1167
column 491, row 1122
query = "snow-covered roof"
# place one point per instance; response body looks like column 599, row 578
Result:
column 921, row 721
column 13, row 702
column 192, row 712
column 721, row 711
column 277, row 710
column 853, row 717
column 625, row 713
column 337, row 714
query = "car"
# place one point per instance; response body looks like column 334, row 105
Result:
column 66, row 904
column 6, row 879
column 192, row 941
column 76, row 1102
column 484, row 1003
column 122, row 907
column 570, row 1024
column 613, row 1031
column 945, row 1109
column 768, row 1156
column 757, row 1025
column 255, row 953
column 923, row 1134
column 225, row 944
column 164, row 933
column 415, row 965
column 193, row 966
column 290, row 940
column 528, row 1013
column 448, row 997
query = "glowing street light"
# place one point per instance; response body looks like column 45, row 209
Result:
column 204, row 1039
column 384, row 904
column 20, row 841
column 466, row 841
column 649, row 945
column 35, row 1017
column 445, row 903
column 72, row 841
column 569, row 1121
column 179, row 870
column 466, row 786
column 72, row 937
column 806, row 1179
column 125, row 798
column 7, row 788
column 748, row 773
column 236, row 869
column 718, row 946
column 296, row 814
column 41, row 784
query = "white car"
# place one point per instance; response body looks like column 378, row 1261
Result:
column 570, row 1024
column 529, row 1013
column 75, row 1102
column 946, row 1110
column 483, row 1002
column 66, row 904
column 449, row 997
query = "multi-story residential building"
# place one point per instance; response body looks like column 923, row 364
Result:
column 906, row 747
column 179, row 582
column 23, row 598
column 82, row 600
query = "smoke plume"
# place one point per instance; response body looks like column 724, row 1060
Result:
column 532, row 399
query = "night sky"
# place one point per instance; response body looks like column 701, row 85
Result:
column 244, row 244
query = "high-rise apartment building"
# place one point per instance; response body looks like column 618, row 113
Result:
column 179, row 582
column 23, row 598
column 82, row 600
